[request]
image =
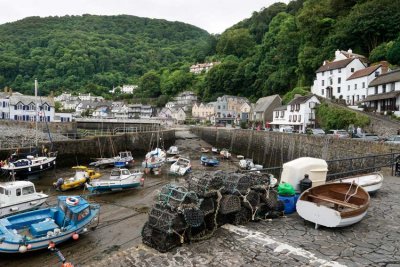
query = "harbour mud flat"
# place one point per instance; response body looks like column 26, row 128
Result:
column 122, row 214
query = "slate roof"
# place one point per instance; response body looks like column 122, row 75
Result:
column 284, row 107
column 335, row 65
column 27, row 99
column 263, row 103
column 393, row 94
column 388, row 77
column 364, row 72
column 300, row 100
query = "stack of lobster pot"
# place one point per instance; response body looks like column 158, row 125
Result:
column 193, row 212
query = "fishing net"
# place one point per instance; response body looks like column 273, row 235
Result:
column 229, row 204
column 175, row 196
column 166, row 220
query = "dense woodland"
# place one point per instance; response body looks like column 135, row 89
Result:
column 274, row 51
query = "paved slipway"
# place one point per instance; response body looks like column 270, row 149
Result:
column 289, row 241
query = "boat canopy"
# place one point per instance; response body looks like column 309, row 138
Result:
column 76, row 208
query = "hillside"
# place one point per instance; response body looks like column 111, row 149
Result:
column 94, row 53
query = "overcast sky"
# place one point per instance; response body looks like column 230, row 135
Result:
column 212, row 15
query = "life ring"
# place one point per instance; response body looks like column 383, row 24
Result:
column 72, row 201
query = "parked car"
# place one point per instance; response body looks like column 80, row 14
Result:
column 316, row 131
column 339, row 133
column 394, row 139
column 286, row 129
column 367, row 136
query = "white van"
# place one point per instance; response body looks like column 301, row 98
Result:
column 286, row 129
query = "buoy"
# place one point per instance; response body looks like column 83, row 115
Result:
column 75, row 236
column 28, row 247
column 22, row 249
column 72, row 201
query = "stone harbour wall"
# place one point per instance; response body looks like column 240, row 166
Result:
column 272, row 149
column 72, row 152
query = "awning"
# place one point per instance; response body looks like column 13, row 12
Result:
column 381, row 96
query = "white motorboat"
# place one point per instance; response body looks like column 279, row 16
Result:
column 154, row 159
column 246, row 164
column 181, row 167
column 119, row 179
column 124, row 159
column 225, row 153
column 173, row 150
column 17, row 196
column 371, row 182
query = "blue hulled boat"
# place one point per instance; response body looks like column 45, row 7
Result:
column 209, row 161
column 34, row 230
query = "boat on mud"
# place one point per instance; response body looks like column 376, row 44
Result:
column 33, row 230
column 181, row 167
column 18, row 196
column 82, row 175
column 225, row 154
column 119, row 179
column 173, row 150
column 173, row 159
column 334, row 204
column 123, row 160
column 209, row 161
column 154, row 158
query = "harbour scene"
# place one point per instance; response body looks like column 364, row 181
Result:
column 258, row 133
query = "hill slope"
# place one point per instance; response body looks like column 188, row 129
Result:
column 93, row 53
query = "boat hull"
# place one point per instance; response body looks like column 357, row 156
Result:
column 370, row 182
column 25, row 206
column 25, row 171
column 112, row 187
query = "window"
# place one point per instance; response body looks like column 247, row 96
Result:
column 339, row 80
column 299, row 118
column 297, row 107
column 276, row 114
column 348, row 99
column 355, row 86
column 322, row 92
column 323, row 82
column 348, row 87
column 294, row 118
column 291, row 108
column 338, row 90
column 376, row 89
column 392, row 87
column 384, row 88
column 219, row 107
column 323, row 73
column 376, row 73
column 352, row 69
column 282, row 113
column 290, row 118
column 363, row 97
column 330, row 72
column 1, row 190
column 358, row 98
column 330, row 81
column 18, row 192
column 28, row 190
column 83, row 214
column 363, row 85
column 340, row 70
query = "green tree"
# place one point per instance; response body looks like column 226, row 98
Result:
column 237, row 42
column 149, row 84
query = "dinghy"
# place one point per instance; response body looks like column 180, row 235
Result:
column 119, row 179
column 371, row 182
column 209, row 161
column 33, row 230
column 181, row 167
column 173, row 150
column 334, row 204
column 154, row 159
column 173, row 159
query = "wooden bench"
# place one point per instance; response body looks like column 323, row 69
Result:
column 335, row 201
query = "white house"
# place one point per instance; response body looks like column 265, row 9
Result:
column 298, row 113
column 179, row 115
column 384, row 93
column 62, row 117
column 198, row 68
column 357, row 84
column 186, row 98
column 331, row 77
column 203, row 111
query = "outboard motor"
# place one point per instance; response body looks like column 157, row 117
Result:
column 305, row 183
column 59, row 183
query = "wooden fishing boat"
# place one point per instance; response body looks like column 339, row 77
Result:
column 334, row 204
column 18, row 196
column 119, row 179
column 33, row 230
column 371, row 182
column 82, row 175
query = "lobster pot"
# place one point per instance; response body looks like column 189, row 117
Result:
column 238, row 183
column 158, row 239
column 251, row 199
column 260, row 180
column 207, row 205
column 166, row 220
column 261, row 211
column 270, row 198
column 194, row 217
column 175, row 196
column 229, row 204
column 206, row 185
column 242, row 217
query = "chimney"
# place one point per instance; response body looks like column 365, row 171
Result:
column 385, row 66
column 5, row 89
column 337, row 53
column 10, row 91
column 350, row 51
column 51, row 94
